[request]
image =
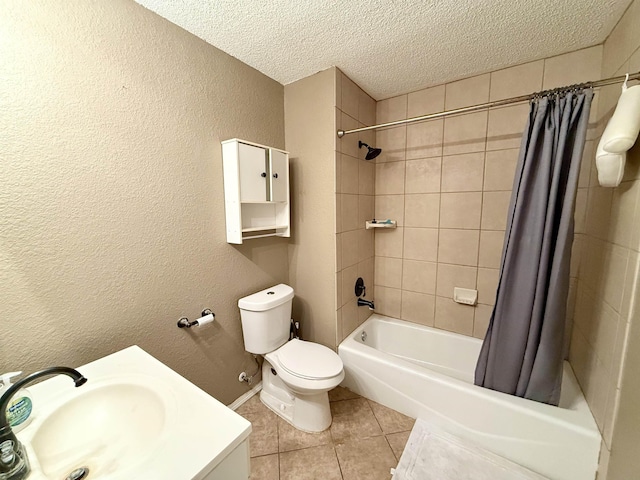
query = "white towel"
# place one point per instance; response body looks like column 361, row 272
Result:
column 610, row 166
column 623, row 127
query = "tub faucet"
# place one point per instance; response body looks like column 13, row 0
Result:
column 14, row 464
column 366, row 303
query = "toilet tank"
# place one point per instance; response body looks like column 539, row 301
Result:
column 266, row 318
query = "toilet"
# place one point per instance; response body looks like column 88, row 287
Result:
column 296, row 375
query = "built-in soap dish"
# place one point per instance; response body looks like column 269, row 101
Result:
column 466, row 296
column 380, row 224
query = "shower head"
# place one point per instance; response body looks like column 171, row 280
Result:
column 371, row 153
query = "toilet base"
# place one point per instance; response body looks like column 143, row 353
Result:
column 308, row 412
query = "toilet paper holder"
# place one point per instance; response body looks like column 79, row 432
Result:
column 184, row 322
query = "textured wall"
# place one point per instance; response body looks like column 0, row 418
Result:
column 310, row 137
column 111, row 194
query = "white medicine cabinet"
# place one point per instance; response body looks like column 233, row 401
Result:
column 256, row 190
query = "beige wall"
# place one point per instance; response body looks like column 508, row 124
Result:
column 310, row 137
column 112, row 197
column 355, row 186
column 608, row 281
column 448, row 184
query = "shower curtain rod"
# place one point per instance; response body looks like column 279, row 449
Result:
column 497, row 103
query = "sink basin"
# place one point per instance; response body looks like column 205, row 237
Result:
column 134, row 418
column 108, row 427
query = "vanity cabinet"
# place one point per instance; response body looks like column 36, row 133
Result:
column 256, row 190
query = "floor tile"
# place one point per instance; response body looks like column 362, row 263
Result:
column 264, row 435
column 391, row 421
column 398, row 441
column 366, row 459
column 315, row 463
column 252, row 405
column 353, row 419
column 265, row 468
column 290, row 438
column 341, row 393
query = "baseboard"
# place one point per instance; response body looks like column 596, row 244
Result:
column 245, row 397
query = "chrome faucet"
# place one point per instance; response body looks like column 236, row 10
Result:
column 14, row 464
column 366, row 303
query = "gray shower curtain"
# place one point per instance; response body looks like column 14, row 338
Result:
column 522, row 352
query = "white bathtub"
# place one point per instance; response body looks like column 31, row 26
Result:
column 428, row 373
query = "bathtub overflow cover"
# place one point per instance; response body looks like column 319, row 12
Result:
column 364, row 336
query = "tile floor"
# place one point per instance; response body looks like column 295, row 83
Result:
column 365, row 441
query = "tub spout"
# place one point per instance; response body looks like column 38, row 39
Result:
column 366, row 303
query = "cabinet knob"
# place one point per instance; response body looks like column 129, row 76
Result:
column 263, row 174
column 275, row 175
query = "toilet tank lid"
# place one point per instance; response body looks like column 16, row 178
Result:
column 266, row 299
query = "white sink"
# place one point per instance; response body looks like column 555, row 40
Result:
column 108, row 427
column 145, row 422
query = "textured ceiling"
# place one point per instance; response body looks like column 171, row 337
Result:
column 390, row 47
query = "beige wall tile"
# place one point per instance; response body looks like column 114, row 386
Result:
column 460, row 210
column 338, row 213
column 388, row 301
column 350, row 97
column 349, row 212
column 463, row 173
column 349, row 276
column 487, row 285
column 623, row 207
column 389, row 242
column 391, row 109
column 424, row 139
column 458, row 247
column 424, row 102
column 366, row 244
column 467, row 92
column 349, row 316
column 349, row 143
column 393, row 142
column 338, row 172
column 495, row 206
column 506, row 126
column 515, row 81
column 423, row 176
column 481, row 319
column 419, row 276
column 366, row 177
column 349, row 248
column 451, row 276
column 422, row 210
column 338, row 247
column 454, row 316
column 338, row 290
column 421, row 244
column 389, row 178
column 465, row 133
column 366, row 209
column 580, row 214
column 390, row 207
column 388, row 272
column 338, row 86
column 616, row 260
column 418, row 307
column 499, row 169
column 599, row 210
column 570, row 68
column 585, row 166
column 366, row 109
column 490, row 248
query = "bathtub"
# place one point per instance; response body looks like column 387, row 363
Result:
column 428, row 373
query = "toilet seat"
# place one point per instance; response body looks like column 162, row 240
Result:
column 309, row 360
column 297, row 361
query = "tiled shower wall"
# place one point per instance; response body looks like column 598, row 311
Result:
column 355, row 182
column 447, row 183
column 610, row 265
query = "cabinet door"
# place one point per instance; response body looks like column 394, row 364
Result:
column 279, row 176
column 253, row 173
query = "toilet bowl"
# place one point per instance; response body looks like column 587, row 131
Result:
column 296, row 374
